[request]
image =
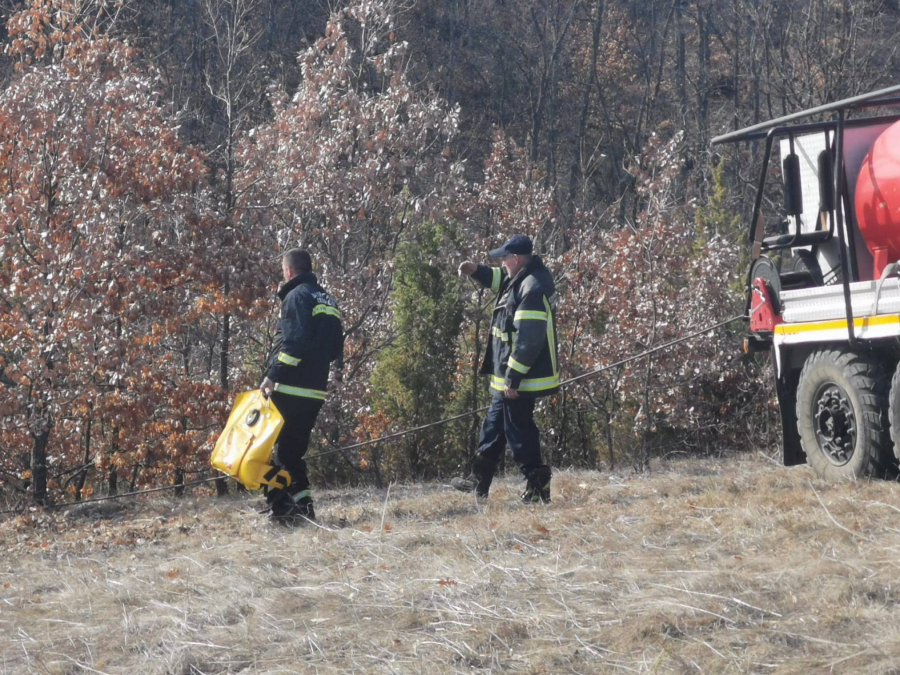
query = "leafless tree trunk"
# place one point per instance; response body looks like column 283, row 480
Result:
column 580, row 159
column 229, row 74
column 40, row 426
column 82, row 474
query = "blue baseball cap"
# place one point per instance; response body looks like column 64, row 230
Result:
column 518, row 243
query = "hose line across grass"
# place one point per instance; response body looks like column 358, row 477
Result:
column 406, row 432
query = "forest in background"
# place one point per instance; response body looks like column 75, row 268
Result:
column 156, row 158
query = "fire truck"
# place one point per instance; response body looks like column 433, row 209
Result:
column 823, row 284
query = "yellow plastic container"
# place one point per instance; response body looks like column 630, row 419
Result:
column 244, row 449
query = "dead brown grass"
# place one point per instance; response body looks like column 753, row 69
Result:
column 717, row 566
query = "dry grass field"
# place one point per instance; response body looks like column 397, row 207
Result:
column 716, row 566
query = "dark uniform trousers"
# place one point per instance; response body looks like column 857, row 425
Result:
column 299, row 415
column 511, row 420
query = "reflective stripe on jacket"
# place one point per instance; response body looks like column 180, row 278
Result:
column 309, row 338
column 522, row 351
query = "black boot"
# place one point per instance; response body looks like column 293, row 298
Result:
column 291, row 509
column 303, row 511
column 479, row 481
column 537, row 490
column 279, row 502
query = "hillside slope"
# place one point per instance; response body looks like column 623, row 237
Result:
column 733, row 565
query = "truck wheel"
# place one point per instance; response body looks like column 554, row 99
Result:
column 842, row 415
column 894, row 411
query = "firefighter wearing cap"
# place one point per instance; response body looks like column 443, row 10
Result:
column 309, row 338
column 521, row 361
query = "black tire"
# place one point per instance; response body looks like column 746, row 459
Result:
column 842, row 415
column 894, row 411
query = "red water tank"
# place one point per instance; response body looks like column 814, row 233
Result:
column 878, row 198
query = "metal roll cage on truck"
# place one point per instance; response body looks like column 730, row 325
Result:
column 823, row 292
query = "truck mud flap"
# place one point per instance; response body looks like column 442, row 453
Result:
column 786, row 390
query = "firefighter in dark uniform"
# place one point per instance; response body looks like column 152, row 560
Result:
column 521, row 362
column 309, row 338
